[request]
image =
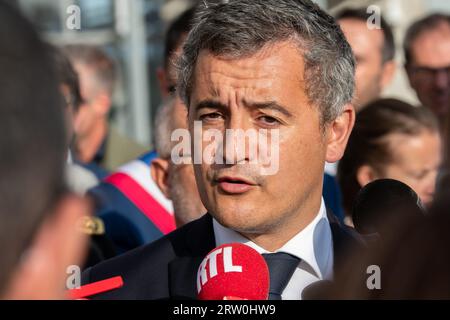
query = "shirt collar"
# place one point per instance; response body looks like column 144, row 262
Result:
column 312, row 245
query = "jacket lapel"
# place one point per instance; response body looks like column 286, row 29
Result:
column 199, row 241
column 345, row 241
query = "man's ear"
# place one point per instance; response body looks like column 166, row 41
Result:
column 365, row 174
column 102, row 103
column 58, row 244
column 338, row 133
column 159, row 170
column 388, row 73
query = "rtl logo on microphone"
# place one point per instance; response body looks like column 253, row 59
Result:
column 219, row 260
column 233, row 271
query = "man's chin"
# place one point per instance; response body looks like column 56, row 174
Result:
column 244, row 222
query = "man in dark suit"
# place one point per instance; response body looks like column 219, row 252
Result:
column 263, row 68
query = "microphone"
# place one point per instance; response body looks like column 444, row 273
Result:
column 233, row 272
column 384, row 202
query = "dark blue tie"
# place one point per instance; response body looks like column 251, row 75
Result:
column 281, row 268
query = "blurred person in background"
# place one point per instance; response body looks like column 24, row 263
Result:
column 427, row 63
column 176, row 181
column 97, row 144
column 374, row 51
column 134, row 216
column 391, row 139
column 135, row 206
column 38, row 234
column 79, row 179
column 412, row 263
column 175, row 36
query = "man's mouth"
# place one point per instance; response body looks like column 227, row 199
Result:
column 235, row 185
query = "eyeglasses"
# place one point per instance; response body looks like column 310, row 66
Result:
column 426, row 73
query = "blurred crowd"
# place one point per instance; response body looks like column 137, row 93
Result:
column 75, row 191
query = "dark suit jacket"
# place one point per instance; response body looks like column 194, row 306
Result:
column 167, row 268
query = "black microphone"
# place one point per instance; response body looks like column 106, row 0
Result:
column 382, row 203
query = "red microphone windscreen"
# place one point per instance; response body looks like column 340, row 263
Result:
column 233, row 270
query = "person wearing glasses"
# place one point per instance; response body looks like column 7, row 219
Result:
column 427, row 54
column 427, row 63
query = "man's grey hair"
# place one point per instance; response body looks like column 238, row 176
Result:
column 163, row 128
column 105, row 70
column 240, row 28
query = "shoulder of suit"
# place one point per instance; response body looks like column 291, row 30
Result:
column 153, row 256
column 347, row 236
column 355, row 235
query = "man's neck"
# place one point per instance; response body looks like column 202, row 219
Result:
column 88, row 145
column 280, row 235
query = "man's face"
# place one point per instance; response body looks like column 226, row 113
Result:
column 416, row 160
column 367, row 47
column 86, row 117
column 263, row 91
column 184, row 194
column 182, row 186
column 429, row 72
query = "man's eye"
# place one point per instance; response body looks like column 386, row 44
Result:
column 211, row 116
column 269, row 120
column 172, row 89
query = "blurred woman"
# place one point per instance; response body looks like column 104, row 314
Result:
column 412, row 263
column 391, row 139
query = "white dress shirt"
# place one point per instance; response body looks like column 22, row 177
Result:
column 313, row 246
column 331, row 168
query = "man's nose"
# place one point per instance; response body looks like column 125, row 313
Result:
column 237, row 139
